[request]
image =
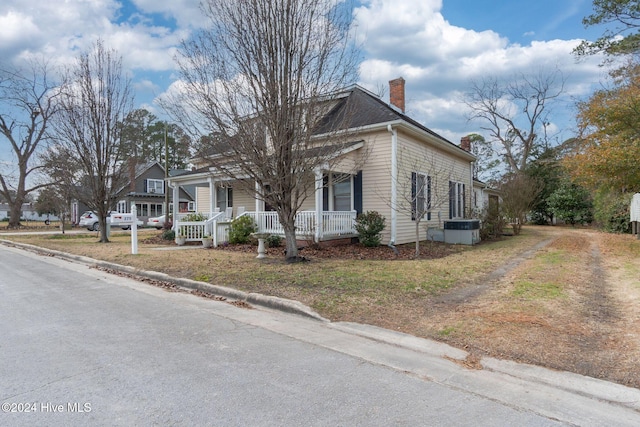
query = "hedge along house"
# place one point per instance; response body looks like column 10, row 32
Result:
column 405, row 171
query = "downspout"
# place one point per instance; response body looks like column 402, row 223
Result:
column 394, row 185
column 471, row 191
column 176, row 204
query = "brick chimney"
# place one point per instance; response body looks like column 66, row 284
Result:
column 396, row 93
column 465, row 143
column 132, row 174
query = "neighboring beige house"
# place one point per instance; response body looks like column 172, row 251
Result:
column 483, row 197
column 402, row 168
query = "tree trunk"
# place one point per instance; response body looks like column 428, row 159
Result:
column 103, row 230
column 15, row 210
column 290, row 241
column 417, row 254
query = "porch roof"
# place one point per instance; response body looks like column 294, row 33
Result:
column 204, row 174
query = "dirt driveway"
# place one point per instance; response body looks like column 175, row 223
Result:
column 572, row 302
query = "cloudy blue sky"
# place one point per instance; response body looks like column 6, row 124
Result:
column 438, row 46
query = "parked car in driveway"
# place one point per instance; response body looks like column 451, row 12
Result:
column 89, row 220
column 157, row 222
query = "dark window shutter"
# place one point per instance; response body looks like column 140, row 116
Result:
column 428, row 198
column 357, row 192
column 325, row 193
column 464, row 200
column 452, row 198
column 230, row 197
column 146, row 186
column 414, row 194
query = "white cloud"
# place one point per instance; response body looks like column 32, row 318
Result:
column 412, row 39
column 409, row 38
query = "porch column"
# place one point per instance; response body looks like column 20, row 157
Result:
column 176, row 204
column 258, row 204
column 319, row 183
column 212, row 196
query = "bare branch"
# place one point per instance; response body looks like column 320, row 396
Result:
column 28, row 101
column 254, row 93
column 513, row 112
column 95, row 101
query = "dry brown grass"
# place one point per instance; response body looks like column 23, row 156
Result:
column 557, row 297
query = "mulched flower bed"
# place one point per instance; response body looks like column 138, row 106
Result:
column 428, row 250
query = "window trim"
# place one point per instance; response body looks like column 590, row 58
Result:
column 152, row 183
column 340, row 178
column 426, row 196
column 457, row 199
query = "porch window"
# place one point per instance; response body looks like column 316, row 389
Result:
column 224, row 198
column 456, row 200
column 122, row 207
column 341, row 192
column 420, row 196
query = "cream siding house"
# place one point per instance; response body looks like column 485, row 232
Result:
column 394, row 165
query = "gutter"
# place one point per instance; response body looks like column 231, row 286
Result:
column 394, row 183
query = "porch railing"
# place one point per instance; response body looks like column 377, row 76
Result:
column 334, row 224
column 196, row 230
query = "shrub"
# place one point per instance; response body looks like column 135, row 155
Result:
column 241, row 229
column 611, row 211
column 369, row 225
column 168, row 235
column 273, row 241
column 196, row 217
column 493, row 222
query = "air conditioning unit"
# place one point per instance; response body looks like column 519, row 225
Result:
column 152, row 190
column 462, row 231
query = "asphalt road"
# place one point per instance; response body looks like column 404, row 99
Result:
column 82, row 347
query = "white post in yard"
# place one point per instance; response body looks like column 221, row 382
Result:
column 318, row 193
column 134, row 229
column 176, row 206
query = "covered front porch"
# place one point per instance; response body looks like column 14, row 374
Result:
column 332, row 215
column 333, row 225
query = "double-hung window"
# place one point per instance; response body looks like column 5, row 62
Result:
column 456, row 200
column 155, row 186
column 341, row 192
column 420, row 196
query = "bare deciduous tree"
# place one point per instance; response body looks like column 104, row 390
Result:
column 255, row 85
column 518, row 192
column 424, row 190
column 95, row 101
column 27, row 104
column 63, row 173
column 513, row 111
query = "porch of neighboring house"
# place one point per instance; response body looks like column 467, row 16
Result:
column 328, row 220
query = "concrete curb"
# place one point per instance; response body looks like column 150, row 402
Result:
column 276, row 303
column 577, row 384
